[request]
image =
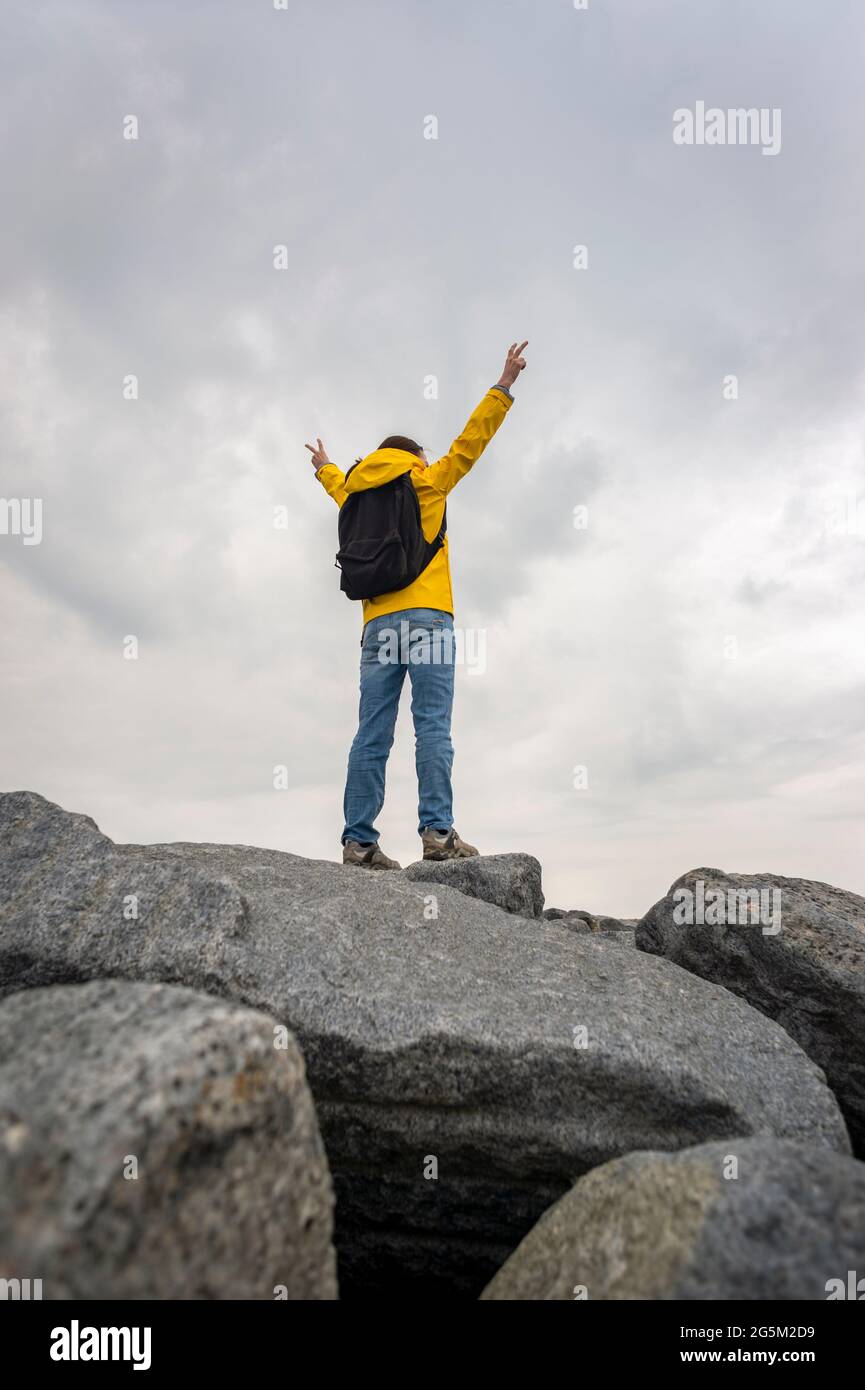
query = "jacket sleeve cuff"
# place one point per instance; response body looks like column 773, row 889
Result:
column 504, row 390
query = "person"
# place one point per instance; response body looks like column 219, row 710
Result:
column 422, row 611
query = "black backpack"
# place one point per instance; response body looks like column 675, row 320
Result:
column 381, row 543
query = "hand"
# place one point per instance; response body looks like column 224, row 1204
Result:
column 514, row 364
column 319, row 455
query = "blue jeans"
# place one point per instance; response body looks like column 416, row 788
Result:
column 419, row 640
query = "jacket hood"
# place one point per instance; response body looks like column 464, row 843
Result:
column 381, row 466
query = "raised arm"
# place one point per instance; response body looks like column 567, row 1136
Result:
column 331, row 478
column 479, row 428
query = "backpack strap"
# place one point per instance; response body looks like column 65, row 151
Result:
column 435, row 545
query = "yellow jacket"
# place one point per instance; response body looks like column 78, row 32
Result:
column 432, row 588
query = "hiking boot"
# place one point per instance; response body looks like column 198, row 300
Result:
column 366, row 856
column 445, row 844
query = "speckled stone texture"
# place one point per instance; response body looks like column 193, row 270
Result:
column 509, row 881
column 678, row 1226
column 809, row 976
column 232, row 1197
column 506, row 1055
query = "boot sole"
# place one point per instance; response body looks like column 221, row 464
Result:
column 382, row 868
column 438, row 858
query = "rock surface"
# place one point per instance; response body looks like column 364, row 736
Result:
column 509, row 881
column 453, row 1101
column 230, row 1195
column 622, row 936
column 809, row 976
column 581, row 921
column 620, row 930
column 573, row 915
column 673, row 1226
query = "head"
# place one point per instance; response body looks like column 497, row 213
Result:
column 401, row 441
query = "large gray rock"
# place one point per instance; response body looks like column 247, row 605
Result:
column 509, row 881
column 809, row 975
column 454, row 1104
column 155, row 1143
column 675, row 1226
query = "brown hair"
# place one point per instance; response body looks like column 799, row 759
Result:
column 400, row 441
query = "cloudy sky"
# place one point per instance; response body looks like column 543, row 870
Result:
column 697, row 647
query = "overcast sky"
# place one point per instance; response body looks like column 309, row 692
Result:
column 698, row 647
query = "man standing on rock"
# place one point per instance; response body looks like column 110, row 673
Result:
column 394, row 556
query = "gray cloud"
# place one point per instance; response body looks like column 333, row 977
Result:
column 409, row 257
